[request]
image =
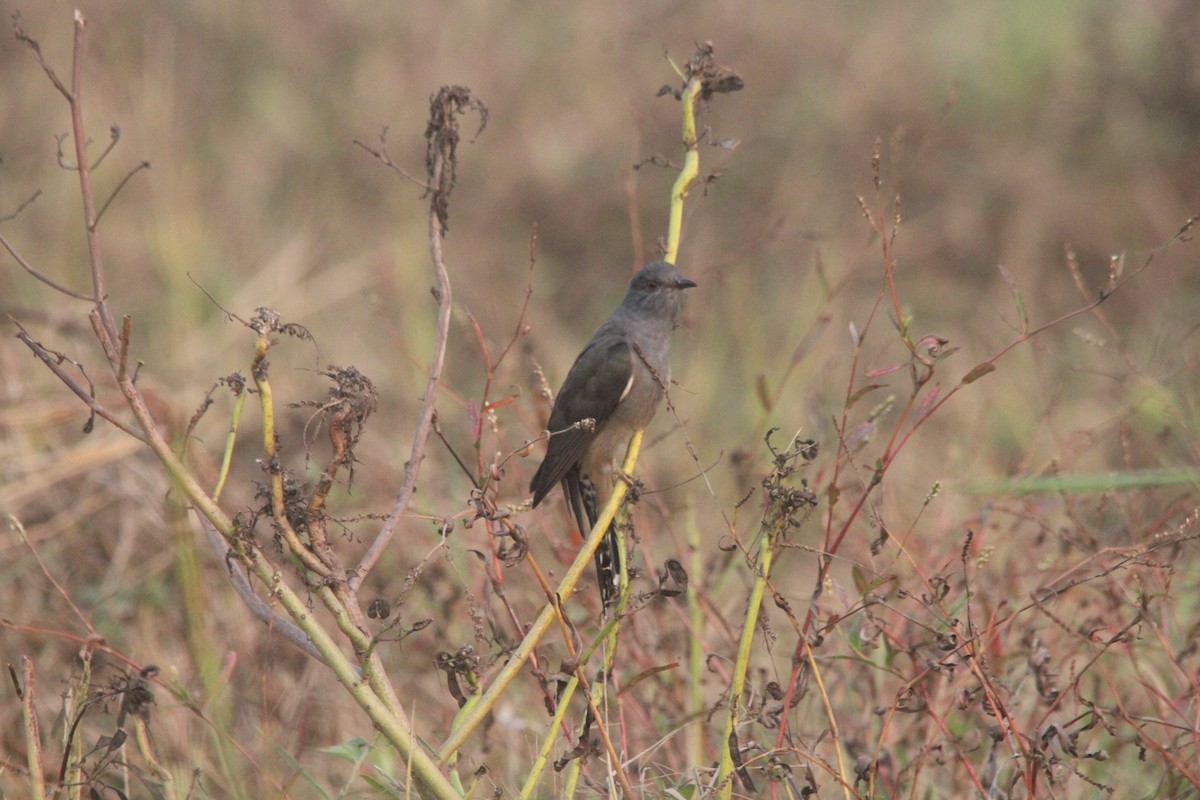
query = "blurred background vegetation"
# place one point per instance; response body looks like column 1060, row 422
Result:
column 1010, row 130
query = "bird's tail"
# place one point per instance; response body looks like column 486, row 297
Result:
column 608, row 561
column 585, row 506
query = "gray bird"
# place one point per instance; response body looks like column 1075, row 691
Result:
column 617, row 381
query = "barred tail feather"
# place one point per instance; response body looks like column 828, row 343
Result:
column 607, row 567
column 582, row 499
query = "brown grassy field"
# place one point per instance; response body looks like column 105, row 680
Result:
column 907, row 221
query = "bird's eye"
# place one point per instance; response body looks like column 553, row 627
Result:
column 652, row 285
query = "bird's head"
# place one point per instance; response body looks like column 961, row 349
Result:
column 658, row 289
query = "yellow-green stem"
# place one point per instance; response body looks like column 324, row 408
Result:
column 539, row 764
column 568, row 691
column 396, row 728
column 740, row 667
column 506, row 675
column 691, row 168
column 227, row 458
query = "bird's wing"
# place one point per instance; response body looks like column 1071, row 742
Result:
column 597, row 382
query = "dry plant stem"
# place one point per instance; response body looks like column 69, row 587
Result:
column 379, row 707
column 1187, row 676
column 577, row 679
column 833, row 727
column 26, row 691
column 348, row 616
column 392, row 724
column 595, row 693
column 79, row 137
column 308, row 558
column 897, row 441
column 241, row 584
column 967, row 651
column 490, row 367
column 25, row 265
column 469, row 721
column 1016, row 742
column 839, row 464
column 318, row 557
column 52, row 363
column 564, row 627
column 1028, row 333
column 332, row 587
column 425, row 421
column 19, row 527
column 556, row 723
column 1164, row 751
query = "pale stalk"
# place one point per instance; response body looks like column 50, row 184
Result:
column 488, row 699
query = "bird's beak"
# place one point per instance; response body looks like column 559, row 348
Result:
column 685, row 283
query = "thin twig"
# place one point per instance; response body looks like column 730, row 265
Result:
column 114, row 136
column 383, row 157
column 120, row 186
column 25, row 265
column 440, row 164
column 54, row 362
column 20, row 208
column 32, row 44
column 58, row 586
column 79, row 134
column 126, row 335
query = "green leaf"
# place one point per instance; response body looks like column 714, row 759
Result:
column 860, row 580
column 854, row 398
column 1087, row 482
column 1011, row 283
column 351, row 750
column 760, row 388
column 304, row 774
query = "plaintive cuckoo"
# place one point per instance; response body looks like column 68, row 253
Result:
column 617, row 382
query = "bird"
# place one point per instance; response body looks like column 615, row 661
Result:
column 617, row 382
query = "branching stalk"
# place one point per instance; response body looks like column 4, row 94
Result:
column 487, row 700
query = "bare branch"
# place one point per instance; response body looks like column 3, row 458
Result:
column 54, row 360
column 114, row 136
column 32, row 44
column 126, row 334
column 59, row 140
column 228, row 314
column 78, row 133
column 21, row 207
column 120, row 186
column 25, row 265
column 383, row 157
column 442, row 135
